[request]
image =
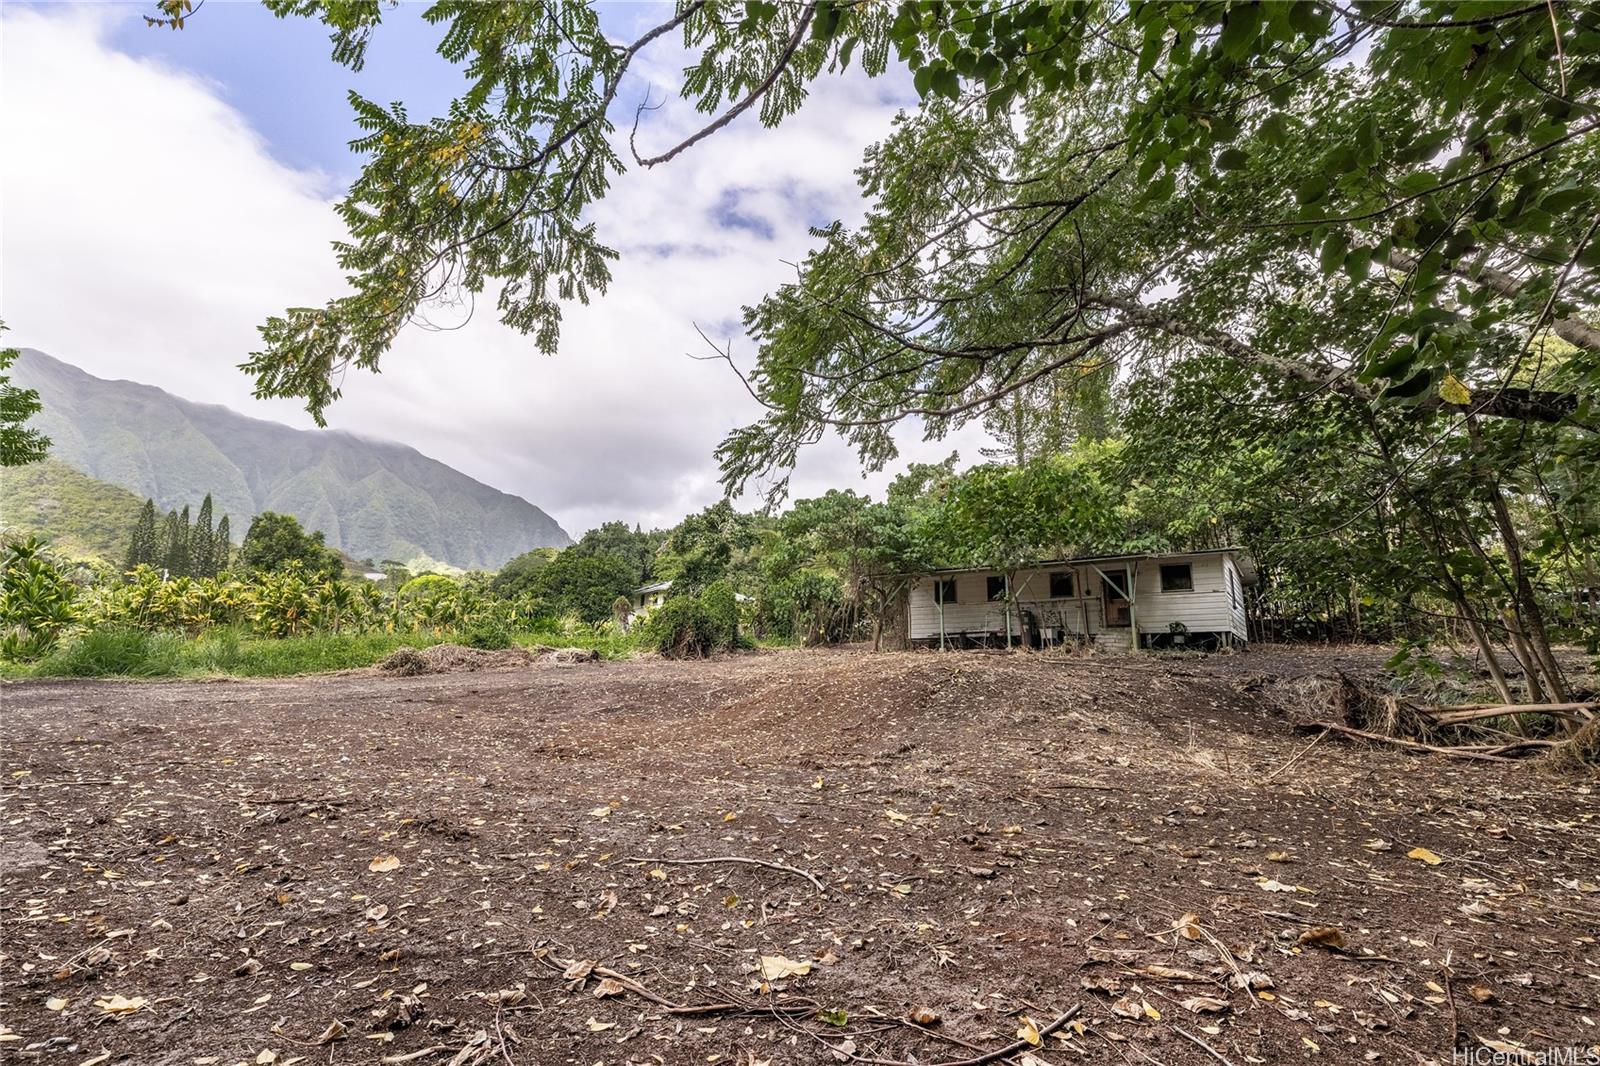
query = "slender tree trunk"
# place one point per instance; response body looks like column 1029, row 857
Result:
column 1490, row 661
column 1519, row 648
column 1528, row 607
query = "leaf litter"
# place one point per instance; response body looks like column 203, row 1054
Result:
column 438, row 868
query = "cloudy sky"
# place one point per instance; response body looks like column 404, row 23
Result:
column 163, row 193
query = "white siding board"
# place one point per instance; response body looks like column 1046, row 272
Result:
column 1205, row 609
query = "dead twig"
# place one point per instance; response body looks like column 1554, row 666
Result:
column 715, row 859
column 1314, row 742
column 1458, row 753
column 988, row 1056
column 1201, row 1044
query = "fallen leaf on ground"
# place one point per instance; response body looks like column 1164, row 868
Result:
column 1188, row 926
column 608, row 986
column 1481, row 993
column 1322, row 936
column 1029, row 1032
column 384, row 863
column 120, row 1004
column 597, row 1026
column 923, row 1016
column 777, row 967
column 1424, row 855
column 1270, row 885
column 334, row 1031
column 1377, row 844
column 1205, row 1005
column 55, row 1003
column 1168, row 973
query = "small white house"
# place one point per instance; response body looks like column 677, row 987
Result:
column 1189, row 599
column 647, row 598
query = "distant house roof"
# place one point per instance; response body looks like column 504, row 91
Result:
column 662, row 586
column 1247, row 564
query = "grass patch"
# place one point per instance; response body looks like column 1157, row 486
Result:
column 231, row 654
column 119, row 652
column 609, row 643
column 113, row 652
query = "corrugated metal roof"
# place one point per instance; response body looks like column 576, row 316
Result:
column 1247, row 565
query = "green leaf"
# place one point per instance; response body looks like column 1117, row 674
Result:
column 1233, row 159
column 1333, row 252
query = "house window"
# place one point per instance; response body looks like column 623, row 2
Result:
column 944, row 591
column 1233, row 589
column 997, row 588
column 1061, row 585
column 1177, row 577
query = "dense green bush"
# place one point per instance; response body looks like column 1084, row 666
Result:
column 721, row 610
column 692, row 627
column 489, row 635
column 37, row 602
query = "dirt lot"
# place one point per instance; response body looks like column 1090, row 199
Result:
column 405, row 868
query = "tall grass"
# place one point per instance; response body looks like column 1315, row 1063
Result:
column 609, row 642
column 114, row 652
column 111, row 652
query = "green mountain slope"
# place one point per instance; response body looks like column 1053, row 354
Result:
column 373, row 499
column 80, row 516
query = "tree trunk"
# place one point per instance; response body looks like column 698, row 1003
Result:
column 1490, row 661
column 1528, row 607
column 1519, row 648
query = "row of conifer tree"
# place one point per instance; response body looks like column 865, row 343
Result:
column 180, row 547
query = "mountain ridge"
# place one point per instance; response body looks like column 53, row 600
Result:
column 372, row 498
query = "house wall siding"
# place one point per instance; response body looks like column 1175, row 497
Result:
column 1205, row 609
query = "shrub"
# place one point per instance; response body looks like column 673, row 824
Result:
column 37, row 602
column 721, row 609
column 677, row 629
column 427, row 585
column 115, row 651
column 488, row 634
column 692, row 627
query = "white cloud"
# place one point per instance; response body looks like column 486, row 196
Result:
column 148, row 230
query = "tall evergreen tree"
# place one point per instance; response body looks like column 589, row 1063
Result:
column 202, row 545
column 221, row 548
column 142, row 549
column 175, row 544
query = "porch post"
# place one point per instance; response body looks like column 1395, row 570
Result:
column 1133, row 614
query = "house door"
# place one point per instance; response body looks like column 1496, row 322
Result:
column 1114, row 589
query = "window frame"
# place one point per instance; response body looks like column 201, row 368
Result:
column 1072, row 585
column 1188, row 568
column 940, row 584
column 989, row 588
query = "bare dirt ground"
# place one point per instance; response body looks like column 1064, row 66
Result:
column 469, row 867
